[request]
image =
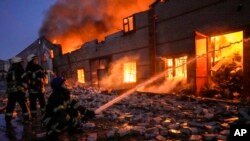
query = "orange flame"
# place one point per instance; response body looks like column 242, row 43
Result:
column 80, row 75
column 129, row 72
column 73, row 23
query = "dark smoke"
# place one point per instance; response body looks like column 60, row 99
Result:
column 88, row 19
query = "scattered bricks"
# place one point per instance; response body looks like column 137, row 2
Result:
column 128, row 117
column 137, row 118
column 209, row 137
column 92, row 137
column 160, row 138
column 164, row 133
column 212, row 129
column 166, row 122
column 151, row 133
column 195, row 124
column 198, row 110
column 99, row 116
column 174, row 133
column 138, row 130
column 186, row 131
column 143, row 124
column 195, row 138
column 112, row 132
column 194, row 130
column 152, row 140
column 89, row 125
column 225, row 132
column 113, row 116
column 209, row 116
column 157, row 120
column 184, row 125
column 225, row 125
column 222, row 138
column 124, row 131
column 205, row 111
column 231, row 120
column 167, row 108
column 121, row 118
column 160, row 127
column 174, row 126
column 188, row 114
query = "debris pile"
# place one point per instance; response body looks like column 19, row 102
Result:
column 159, row 117
column 147, row 116
column 227, row 79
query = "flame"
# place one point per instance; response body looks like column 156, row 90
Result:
column 227, row 46
column 177, row 67
column 80, row 76
column 115, row 75
column 73, row 23
column 129, row 72
column 181, row 67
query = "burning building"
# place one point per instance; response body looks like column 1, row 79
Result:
column 44, row 50
column 189, row 41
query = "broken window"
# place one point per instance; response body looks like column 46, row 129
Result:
column 176, row 67
column 169, row 67
column 128, row 24
column 129, row 72
column 227, row 47
column 80, row 76
column 181, row 67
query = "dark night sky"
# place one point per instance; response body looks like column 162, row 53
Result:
column 20, row 21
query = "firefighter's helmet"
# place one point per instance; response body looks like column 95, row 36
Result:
column 15, row 60
column 31, row 57
column 57, row 82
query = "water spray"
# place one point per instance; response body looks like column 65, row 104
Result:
column 129, row 92
column 151, row 80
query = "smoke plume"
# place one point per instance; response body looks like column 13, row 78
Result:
column 115, row 74
column 71, row 23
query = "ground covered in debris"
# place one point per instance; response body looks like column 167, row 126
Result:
column 143, row 116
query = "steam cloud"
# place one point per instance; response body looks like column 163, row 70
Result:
column 71, row 23
column 115, row 74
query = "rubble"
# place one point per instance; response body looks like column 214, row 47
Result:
column 227, row 79
column 92, row 137
column 143, row 116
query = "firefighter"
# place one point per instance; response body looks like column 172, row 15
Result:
column 16, row 91
column 63, row 112
column 35, row 76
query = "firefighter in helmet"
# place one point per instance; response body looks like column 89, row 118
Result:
column 63, row 112
column 35, row 75
column 16, row 91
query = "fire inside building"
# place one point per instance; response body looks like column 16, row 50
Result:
column 176, row 48
column 204, row 44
